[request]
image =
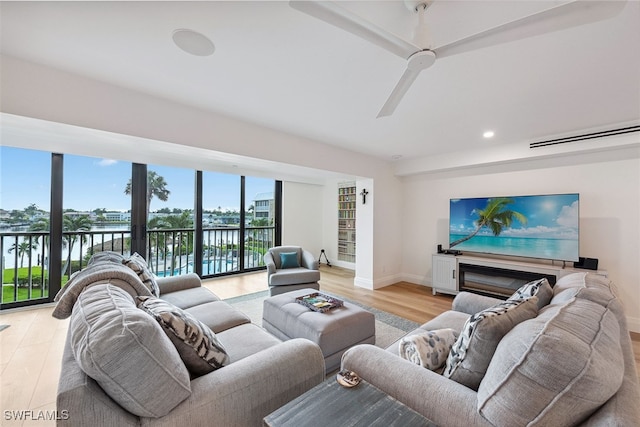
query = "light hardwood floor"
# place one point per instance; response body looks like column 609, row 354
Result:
column 31, row 348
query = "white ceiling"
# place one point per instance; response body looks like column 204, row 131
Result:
column 280, row 68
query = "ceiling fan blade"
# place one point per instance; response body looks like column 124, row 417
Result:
column 556, row 18
column 399, row 91
column 337, row 16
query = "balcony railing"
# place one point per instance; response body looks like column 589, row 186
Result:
column 28, row 278
column 171, row 250
column 24, row 261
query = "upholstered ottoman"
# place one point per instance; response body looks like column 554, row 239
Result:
column 334, row 331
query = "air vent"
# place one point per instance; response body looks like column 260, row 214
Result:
column 585, row 136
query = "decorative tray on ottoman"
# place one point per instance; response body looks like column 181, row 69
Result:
column 319, row 302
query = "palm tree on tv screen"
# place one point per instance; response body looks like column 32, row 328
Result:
column 495, row 216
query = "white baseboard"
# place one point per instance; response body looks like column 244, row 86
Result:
column 343, row 264
column 379, row 283
column 633, row 323
column 363, row 283
column 416, row 279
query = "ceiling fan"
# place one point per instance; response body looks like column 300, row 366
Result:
column 419, row 53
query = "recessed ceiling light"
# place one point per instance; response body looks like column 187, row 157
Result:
column 193, row 42
column 488, row 134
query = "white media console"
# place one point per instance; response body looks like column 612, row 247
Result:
column 491, row 276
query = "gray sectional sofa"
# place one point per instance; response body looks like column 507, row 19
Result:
column 571, row 363
column 121, row 367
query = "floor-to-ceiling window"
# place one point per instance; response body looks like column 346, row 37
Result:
column 170, row 220
column 220, row 223
column 260, row 219
column 181, row 220
column 96, row 210
column 25, row 190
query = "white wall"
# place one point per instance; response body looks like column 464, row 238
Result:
column 302, row 216
column 36, row 91
column 365, row 235
column 407, row 216
column 609, row 215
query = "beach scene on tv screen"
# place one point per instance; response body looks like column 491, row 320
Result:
column 541, row 226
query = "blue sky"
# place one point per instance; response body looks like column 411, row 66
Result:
column 91, row 183
column 547, row 215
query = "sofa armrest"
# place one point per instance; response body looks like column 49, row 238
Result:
column 443, row 401
column 269, row 263
column 178, row 283
column 246, row 391
column 309, row 261
column 471, row 303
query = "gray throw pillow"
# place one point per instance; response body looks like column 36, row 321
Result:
column 198, row 346
column 126, row 352
column 139, row 265
column 471, row 354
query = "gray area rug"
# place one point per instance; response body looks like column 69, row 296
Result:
column 389, row 327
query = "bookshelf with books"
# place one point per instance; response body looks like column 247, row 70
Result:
column 347, row 222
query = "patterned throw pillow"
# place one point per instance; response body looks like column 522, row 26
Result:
column 289, row 260
column 471, row 354
column 540, row 288
column 198, row 346
column 428, row 349
column 138, row 264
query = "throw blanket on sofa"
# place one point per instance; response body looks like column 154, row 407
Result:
column 102, row 272
column 429, row 349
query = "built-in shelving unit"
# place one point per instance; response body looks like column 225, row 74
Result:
column 347, row 222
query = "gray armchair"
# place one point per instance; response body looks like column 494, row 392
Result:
column 300, row 270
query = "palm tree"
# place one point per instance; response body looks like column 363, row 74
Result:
column 496, row 216
column 23, row 248
column 71, row 224
column 42, row 224
column 156, row 187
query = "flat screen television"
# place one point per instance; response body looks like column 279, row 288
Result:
column 540, row 226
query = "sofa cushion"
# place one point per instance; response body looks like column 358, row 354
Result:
column 428, row 349
column 191, row 297
column 539, row 288
column 555, row 369
column 294, row 276
column 218, row 315
column 106, row 256
column 246, row 340
column 590, row 286
column 472, row 352
column 139, row 265
column 95, row 273
column 196, row 343
column 126, row 352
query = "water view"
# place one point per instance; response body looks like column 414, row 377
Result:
column 96, row 217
